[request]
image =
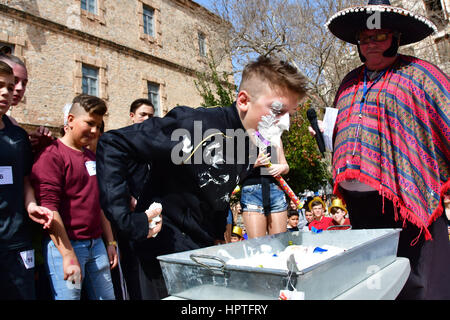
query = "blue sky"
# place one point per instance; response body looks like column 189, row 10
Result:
column 208, row 4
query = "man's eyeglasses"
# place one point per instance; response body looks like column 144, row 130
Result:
column 379, row 37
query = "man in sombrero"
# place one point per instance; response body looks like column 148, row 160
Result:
column 391, row 160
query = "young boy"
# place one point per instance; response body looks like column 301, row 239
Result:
column 197, row 158
column 338, row 212
column 16, row 195
column 42, row 136
column 320, row 222
column 292, row 221
column 237, row 234
column 64, row 177
column 141, row 110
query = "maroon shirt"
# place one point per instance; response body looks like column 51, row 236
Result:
column 65, row 181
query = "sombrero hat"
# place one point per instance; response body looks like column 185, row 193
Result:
column 379, row 14
column 317, row 199
column 337, row 203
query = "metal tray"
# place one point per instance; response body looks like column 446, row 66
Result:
column 203, row 274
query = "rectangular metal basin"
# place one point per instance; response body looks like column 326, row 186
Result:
column 204, row 274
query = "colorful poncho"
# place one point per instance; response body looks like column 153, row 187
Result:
column 402, row 147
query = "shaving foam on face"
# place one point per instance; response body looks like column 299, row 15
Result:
column 271, row 126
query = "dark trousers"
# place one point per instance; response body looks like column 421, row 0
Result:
column 143, row 275
column 430, row 260
column 16, row 281
column 141, row 268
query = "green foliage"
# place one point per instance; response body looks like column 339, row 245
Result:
column 213, row 86
column 308, row 170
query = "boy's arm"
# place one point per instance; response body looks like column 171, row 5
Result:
column 141, row 143
column 41, row 215
column 58, row 235
column 47, row 179
column 284, row 166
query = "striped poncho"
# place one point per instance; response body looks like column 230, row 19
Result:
column 402, row 148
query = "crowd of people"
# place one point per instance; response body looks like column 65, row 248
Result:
column 314, row 216
column 86, row 238
column 115, row 200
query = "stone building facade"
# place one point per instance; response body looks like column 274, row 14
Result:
column 118, row 50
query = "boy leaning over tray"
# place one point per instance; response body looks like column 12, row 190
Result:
column 197, row 157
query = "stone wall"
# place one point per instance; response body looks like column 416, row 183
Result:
column 56, row 37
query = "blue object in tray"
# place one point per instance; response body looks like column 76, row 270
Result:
column 319, row 250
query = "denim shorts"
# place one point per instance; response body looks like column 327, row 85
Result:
column 94, row 261
column 251, row 199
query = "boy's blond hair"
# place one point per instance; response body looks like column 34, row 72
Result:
column 276, row 73
column 90, row 104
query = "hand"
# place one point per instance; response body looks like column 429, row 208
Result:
column 41, row 215
column 41, row 134
column 112, row 255
column 277, row 169
column 153, row 213
column 72, row 269
column 321, row 127
column 262, row 160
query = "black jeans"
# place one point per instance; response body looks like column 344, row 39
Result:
column 16, row 281
column 430, row 260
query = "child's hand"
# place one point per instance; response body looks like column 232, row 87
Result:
column 112, row 255
column 72, row 271
column 276, row 169
column 41, row 215
column 41, row 135
column 262, row 160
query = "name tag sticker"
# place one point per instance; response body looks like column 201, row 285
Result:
column 6, row 176
column 28, row 258
column 91, row 168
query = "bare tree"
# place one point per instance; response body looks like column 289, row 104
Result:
column 294, row 30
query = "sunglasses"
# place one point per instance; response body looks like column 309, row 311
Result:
column 379, row 37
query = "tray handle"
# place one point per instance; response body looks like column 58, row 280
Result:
column 194, row 257
column 349, row 227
